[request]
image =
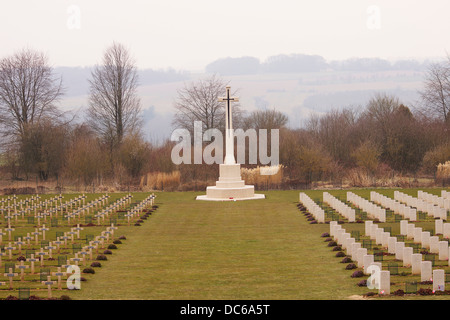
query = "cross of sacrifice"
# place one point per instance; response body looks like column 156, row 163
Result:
column 229, row 141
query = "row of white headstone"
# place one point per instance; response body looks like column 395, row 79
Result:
column 360, row 256
column 434, row 199
column 373, row 211
column 415, row 260
column 442, row 228
column 313, row 208
column 407, row 255
column 421, row 205
column 340, row 207
column 396, row 206
column 445, row 194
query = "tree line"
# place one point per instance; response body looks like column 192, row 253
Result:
column 40, row 141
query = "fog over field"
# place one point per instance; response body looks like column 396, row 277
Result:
column 296, row 86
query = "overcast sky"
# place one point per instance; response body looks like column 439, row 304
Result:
column 188, row 34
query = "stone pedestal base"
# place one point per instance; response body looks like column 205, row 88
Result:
column 230, row 186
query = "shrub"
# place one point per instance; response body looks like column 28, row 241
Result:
column 101, row 257
column 340, row 254
column 107, row 252
column 328, row 239
column 10, row 297
column 88, row 270
column 21, row 258
column 362, row 283
column 65, row 297
column 122, row 238
column 313, row 222
column 96, row 264
column 425, row 292
column 346, row 260
column 325, row 235
column 112, row 246
column 117, row 242
column 398, row 292
column 351, row 266
column 337, row 248
column 357, row 274
column 332, row 244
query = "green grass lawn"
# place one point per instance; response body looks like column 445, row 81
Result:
column 261, row 249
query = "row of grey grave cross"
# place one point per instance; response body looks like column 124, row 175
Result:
column 80, row 256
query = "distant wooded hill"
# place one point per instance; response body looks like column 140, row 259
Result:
column 298, row 63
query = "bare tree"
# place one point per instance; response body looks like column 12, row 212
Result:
column 114, row 107
column 28, row 92
column 198, row 101
column 436, row 94
column 266, row 119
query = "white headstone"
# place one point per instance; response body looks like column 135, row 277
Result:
column 410, row 231
column 379, row 236
column 434, row 244
column 443, row 250
column 350, row 242
column 416, row 261
column 407, row 256
column 367, row 261
column 404, row 227
column 446, row 230
column 385, row 283
column 418, row 235
column 426, row 239
column 373, row 231
column 355, row 246
column 399, row 246
column 392, row 241
column 426, row 271
column 360, row 253
column 367, row 227
column 385, row 239
column 438, row 280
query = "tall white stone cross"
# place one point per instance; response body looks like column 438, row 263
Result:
column 229, row 141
